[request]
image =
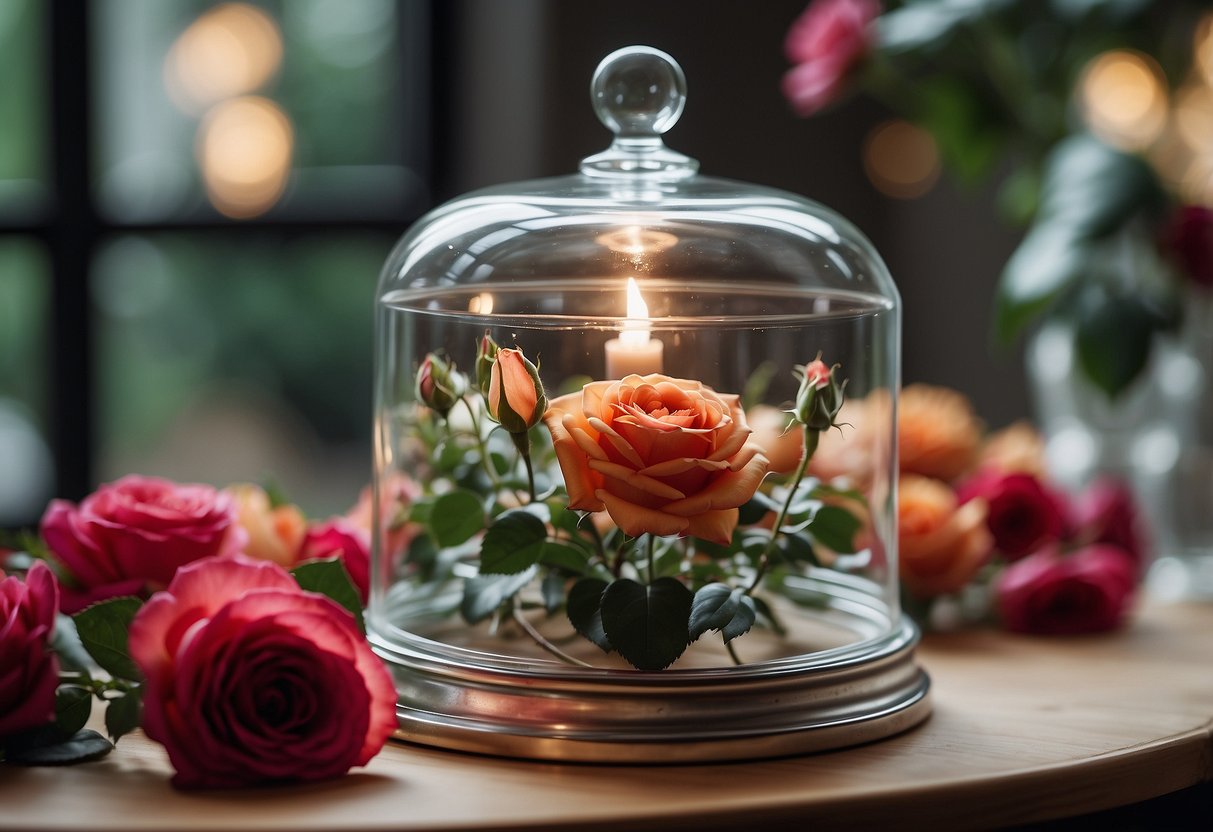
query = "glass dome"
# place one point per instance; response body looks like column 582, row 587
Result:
column 635, row 462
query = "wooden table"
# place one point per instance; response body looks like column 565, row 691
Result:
column 1024, row 729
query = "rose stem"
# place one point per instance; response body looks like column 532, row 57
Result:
column 530, row 474
column 522, row 441
column 543, row 642
column 810, row 446
column 648, row 546
column 485, row 459
column 728, row 645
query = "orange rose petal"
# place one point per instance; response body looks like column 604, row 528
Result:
column 673, row 467
column 746, row 455
column 578, row 479
column 584, row 441
column 589, row 400
column 635, row 479
column 716, row 526
column 635, row 520
column 731, row 444
column 729, row 490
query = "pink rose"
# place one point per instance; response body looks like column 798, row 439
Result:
column 339, row 538
column 1087, row 591
column 250, row 679
column 130, row 536
column 1022, row 514
column 1107, row 513
column 662, row 455
column 29, row 671
column 826, row 43
column 1189, row 240
column 396, row 493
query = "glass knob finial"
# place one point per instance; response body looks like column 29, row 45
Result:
column 638, row 91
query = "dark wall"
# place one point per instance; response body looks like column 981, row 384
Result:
column 520, row 79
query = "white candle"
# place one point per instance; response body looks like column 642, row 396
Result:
column 634, row 351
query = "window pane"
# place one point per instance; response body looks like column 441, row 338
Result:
column 224, row 359
column 22, row 98
column 299, row 107
column 26, row 466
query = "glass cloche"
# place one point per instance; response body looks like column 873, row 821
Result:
column 635, row 462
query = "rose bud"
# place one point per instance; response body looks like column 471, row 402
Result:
column 1106, row 513
column 1023, row 514
column 826, row 43
column 820, row 396
column 1087, row 591
column 516, row 397
column 29, row 670
column 439, row 384
column 486, row 354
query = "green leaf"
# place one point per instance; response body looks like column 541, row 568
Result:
column 483, row 594
column 756, row 508
column 834, row 528
column 552, row 590
column 103, row 632
column 81, row 747
column 73, row 706
column 124, row 714
column 66, row 644
column 563, row 556
column 513, row 543
column 455, row 517
column 1049, row 261
column 328, row 577
column 925, row 25
column 1112, row 340
column 648, row 625
column 584, row 609
column 724, row 608
column 766, row 613
column 1093, row 189
column 797, row 548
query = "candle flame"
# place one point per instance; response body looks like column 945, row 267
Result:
column 636, row 326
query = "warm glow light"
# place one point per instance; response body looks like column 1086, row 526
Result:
column 1202, row 47
column 901, row 160
column 636, row 326
column 1124, row 99
column 231, row 50
column 481, row 304
column 244, row 150
column 1193, row 115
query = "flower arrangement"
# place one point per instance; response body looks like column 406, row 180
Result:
column 185, row 621
column 643, row 508
column 1113, row 197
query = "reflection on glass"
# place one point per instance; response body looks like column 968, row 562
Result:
column 26, row 465
column 222, row 360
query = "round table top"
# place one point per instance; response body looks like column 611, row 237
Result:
column 1024, row 729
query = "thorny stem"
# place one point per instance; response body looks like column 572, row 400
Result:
column 810, row 446
column 539, row 639
column 485, row 459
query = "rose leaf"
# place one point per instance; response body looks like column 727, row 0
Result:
column 485, row 593
column 124, row 714
column 103, row 632
column 66, row 644
column 81, row 747
column 835, row 529
column 584, row 609
column 648, row 625
column 513, row 543
column 328, row 577
column 797, row 548
column 721, row 607
column 552, row 590
column 73, row 705
column 756, row 508
column 455, row 517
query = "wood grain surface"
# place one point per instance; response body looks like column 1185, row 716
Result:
column 1024, row 729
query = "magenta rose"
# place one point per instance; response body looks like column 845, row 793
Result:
column 29, row 671
column 1023, row 515
column 825, row 44
column 129, row 537
column 340, row 538
column 1087, row 591
column 252, row 680
column 1188, row 239
column 1107, row 513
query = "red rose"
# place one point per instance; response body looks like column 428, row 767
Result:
column 250, row 679
column 29, row 672
column 825, row 43
column 130, row 536
column 1189, row 240
column 339, row 538
column 1023, row 515
column 1087, row 591
column 1107, row 513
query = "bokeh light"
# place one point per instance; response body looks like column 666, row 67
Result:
column 230, row 50
column 1123, row 97
column 901, row 160
column 244, row 151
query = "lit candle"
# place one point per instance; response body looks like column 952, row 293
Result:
column 634, row 351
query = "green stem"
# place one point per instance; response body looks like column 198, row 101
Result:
column 530, row 475
column 728, row 645
column 811, row 437
column 648, row 547
column 522, row 441
column 485, row 459
column 539, row 639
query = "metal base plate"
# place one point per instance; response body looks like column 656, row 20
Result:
column 840, row 697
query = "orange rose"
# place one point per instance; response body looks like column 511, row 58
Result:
column 941, row 545
column 937, row 431
column 661, row 455
column 274, row 534
column 1018, row 448
column 782, row 446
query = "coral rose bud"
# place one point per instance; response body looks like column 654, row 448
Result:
column 29, row 671
column 486, row 355
column 942, row 544
column 516, row 398
column 1087, row 591
column 1023, row 515
column 274, row 532
column 820, row 396
column 439, row 385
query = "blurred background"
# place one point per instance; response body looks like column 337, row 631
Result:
column 196, row 198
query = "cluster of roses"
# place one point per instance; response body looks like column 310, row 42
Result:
column 242, row 674
column 979, row 512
